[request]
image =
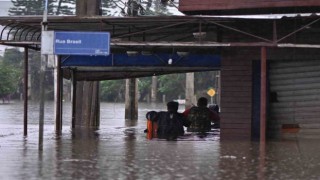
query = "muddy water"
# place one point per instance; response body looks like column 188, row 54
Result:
column 119, row 150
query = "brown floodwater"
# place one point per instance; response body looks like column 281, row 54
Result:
column 120, row 150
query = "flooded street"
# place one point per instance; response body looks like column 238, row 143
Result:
column 120, row 150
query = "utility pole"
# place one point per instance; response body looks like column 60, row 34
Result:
column 131, row 99
column 42, row 77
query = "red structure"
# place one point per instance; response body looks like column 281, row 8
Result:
column 248, row 6
column 261, row 87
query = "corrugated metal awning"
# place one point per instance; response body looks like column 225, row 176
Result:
column 167, row 34
column 161, row 31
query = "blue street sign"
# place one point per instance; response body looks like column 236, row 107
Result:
column 81, row 43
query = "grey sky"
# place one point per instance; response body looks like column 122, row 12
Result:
column 4, row 7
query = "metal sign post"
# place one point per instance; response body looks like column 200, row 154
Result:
column 211, row 92
column 42, row 74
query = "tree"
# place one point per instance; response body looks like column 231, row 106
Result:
column 172, row 85
column 12, row 71
column 144, row 85
column 112, row 90
column 140, row 7
column 36, row 7
column 9, row 76
column 204, row 81
column 65, row 7
column 113, row 8
column 13, row 56
column 30, row 7
column 160, row 8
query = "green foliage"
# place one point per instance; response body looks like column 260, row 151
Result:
column 12, row 62
column 146, row 7
column 159, row 9
column 144, row 83
column 29, row 7
column 112, row 8
column 36, row 7
column 13, row 57
column 172, row 85
column 112, row 90
column 203, row 82
column 144, row 86
column 10, row 71
column 9, row 76
column 65, row 7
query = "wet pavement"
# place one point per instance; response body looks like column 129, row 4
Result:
column 120, row 150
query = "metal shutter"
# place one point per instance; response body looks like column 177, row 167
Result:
column 296, row 85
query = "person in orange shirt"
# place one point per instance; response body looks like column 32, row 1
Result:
column 169, row 124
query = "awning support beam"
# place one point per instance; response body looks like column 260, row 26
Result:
column 263, row 95
column 25, row 93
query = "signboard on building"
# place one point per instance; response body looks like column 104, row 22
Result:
column 75, row 43
column 82, row 43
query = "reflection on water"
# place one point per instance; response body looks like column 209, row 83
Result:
column 119, row 150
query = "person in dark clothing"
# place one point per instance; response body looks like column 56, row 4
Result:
column 170, row 123
column 215, row 108
column 201, row 116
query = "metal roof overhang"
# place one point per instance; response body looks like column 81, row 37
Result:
column 165, row 34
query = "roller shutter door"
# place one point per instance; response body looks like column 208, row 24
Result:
column 295, row 93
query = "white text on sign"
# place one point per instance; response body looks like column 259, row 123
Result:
column 68, row 41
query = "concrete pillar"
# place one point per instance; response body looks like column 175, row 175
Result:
column 58, row 89
column 190, row 98
column 87, row 112
column 87, row 103
column 131, row 99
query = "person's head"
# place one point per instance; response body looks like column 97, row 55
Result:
column 202, row 102
column 172, row 106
